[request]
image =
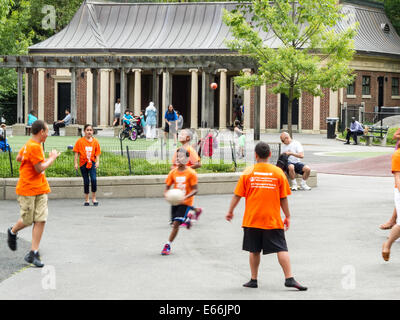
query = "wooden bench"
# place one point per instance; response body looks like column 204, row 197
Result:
column 372, row 130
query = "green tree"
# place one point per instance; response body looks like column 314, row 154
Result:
column 311, row 56
column 392, row 9
column 64, row 11
column 15, row 38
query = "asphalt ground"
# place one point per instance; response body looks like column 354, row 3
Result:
column 113, row 251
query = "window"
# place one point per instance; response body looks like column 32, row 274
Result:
column 366, row 85
column 351, row 89
column 395, row 86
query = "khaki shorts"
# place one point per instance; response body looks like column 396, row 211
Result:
column 33, row 208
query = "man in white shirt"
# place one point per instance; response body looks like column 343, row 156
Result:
column 294, row 150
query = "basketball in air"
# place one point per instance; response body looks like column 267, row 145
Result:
column 174, row 196
column 213, row 86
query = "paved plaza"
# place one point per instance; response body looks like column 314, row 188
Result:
column 113, row 251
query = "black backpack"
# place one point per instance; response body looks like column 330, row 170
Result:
column 283, row 162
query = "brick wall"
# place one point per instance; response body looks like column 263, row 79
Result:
column 370, row 103
column 324, row 109
column 307, row 111
column 271, row 110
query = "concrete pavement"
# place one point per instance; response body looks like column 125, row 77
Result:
column 113, row 251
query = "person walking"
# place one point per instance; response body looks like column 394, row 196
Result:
column 151, row 121
column 87, row 150
column 265, row 188
column 171, row 124
column 117, row 112
column 32, row 190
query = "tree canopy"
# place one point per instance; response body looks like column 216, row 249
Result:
column 311, row 54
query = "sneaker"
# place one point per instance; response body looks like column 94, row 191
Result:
column 294, row 187
column 305, row 187
column 251, row 284
column 198, row 213
column 166, row 251
column 11, row 240
column 34, row 258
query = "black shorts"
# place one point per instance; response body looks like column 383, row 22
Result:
column 298, row 167
column 270, row 241
column 166, row 129
column 179, row 212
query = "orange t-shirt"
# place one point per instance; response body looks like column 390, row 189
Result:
column 263, row 185
column 396, row 162
column 184, row 180
column 88, row 151
column 30, row 182
column 193, row 157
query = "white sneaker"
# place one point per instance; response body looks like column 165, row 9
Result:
column 294, row 187
column 305, row 187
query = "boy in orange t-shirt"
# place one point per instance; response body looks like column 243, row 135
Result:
column 265, row 188
column 32, row 189
column 183, row 178
column 395, row 230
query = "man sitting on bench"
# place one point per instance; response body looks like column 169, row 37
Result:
column 61, row 123
column 355, row 130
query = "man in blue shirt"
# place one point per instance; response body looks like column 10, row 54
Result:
column 62, row 123
column 356, row 129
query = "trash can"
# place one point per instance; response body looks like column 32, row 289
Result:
column 331, row 127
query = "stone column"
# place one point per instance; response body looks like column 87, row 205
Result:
column 167, row 94
column 222, row 98
column 194, row 105
column 123, row 86
column 263, row 102
column 20, row 108
column 89, row 96
column 131, row 91
column 112, row 97
column 316, row 114
column 205, row 92
column 30, row 89
column 138, row 91
column 41, row 93
column 104, row 95
column 95, row 73
column 73, row 96
column 246, row 103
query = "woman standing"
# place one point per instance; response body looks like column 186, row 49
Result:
column 171, row 123
column 87, row 149
column 151, row 121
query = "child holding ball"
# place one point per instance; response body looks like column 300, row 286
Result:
column 185, row 179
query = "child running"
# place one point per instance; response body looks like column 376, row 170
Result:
column 32, row 189
column 183, row 178
column 265, row 188
column 87, row 149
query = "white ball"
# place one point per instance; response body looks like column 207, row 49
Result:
column 174, row 196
